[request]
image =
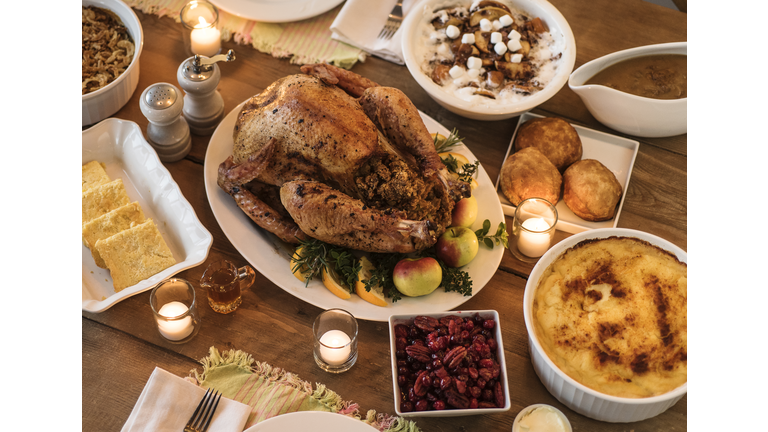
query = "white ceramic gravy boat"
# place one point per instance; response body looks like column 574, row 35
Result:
column 627, row 113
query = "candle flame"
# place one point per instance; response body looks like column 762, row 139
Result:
column 203, row 23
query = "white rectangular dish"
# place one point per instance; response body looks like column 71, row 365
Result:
column 407, row 319
column 616, row 153
column 120, row 145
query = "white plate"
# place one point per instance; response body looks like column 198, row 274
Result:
column 616, row 153
column 120, row 145
column 276, row 11
column 316, row 421
column 271, row 256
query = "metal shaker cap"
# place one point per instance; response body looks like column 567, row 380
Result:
column 160, row 96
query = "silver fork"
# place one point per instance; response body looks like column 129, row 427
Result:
column 393, row 21
column 201, row 418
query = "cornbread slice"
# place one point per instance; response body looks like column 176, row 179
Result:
column 110, row 224
column 102, row 199
column 135, row 254
column 94, row 175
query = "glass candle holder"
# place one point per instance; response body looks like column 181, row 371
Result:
column 335, row 340
column 201, row 33
column 175, row 309
column 533, row 229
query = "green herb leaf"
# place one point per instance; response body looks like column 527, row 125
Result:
column 500, row 238
column 316, row 254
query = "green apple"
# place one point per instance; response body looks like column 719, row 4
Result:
column 457, row 246
column 464, row 212
column 415, row 277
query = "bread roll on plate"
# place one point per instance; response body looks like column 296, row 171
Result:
column 554, row 137
column 529, row 174
column 591, row 190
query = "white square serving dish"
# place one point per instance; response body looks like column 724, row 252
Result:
column 120, row 145
column 503, row 377
column 616, row 153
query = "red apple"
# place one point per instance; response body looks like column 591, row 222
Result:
column 464, row 212
column 457, row 246
column 415, row 277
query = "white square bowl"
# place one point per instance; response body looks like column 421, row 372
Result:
column 120, row 145
column 503, row 378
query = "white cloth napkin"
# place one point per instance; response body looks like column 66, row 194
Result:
column 359, row 23
column 167, row 402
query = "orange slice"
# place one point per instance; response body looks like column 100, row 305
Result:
column 376, row 294
column 332, row 281
column 302, row 272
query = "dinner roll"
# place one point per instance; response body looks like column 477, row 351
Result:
column 591, row 190
column 554, row 137
column 529, row 174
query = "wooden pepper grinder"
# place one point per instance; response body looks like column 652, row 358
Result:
column 167, row 131
column 203, row 105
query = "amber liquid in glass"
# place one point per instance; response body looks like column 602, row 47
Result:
column 224, row 291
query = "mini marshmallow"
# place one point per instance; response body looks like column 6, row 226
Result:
column 497, row 25
column 495, row 37
column 468, row 38
column 473, row 73
column 514, row 45
column 456, row 72
column 452, row 31
column 514, row 34
column 474, row 63
column 516, row 58
column 445, row 50
column 506, row 20
column 485, row 25
column 500, row 48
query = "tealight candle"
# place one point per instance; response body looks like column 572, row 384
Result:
column 533, row 229
column 175, row 329
column 174, row 308
column 335, row 340
column 335, row 347
column 205, row 39
column 200, row 19
column 531, row 243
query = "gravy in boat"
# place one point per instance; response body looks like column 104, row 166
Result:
column 659, row 76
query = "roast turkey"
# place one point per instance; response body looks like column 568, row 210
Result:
column 353, row 161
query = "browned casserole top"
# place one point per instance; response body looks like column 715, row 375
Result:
column 612, row 314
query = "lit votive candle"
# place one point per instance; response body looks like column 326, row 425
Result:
column 534, row 244
column 205, row 38
column 335, row 347
column 174, row 329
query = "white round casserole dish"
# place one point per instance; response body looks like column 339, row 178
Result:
column 571, row 393
column 558, row 27
column 106, row 101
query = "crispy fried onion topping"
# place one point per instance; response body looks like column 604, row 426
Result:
column 107, row 48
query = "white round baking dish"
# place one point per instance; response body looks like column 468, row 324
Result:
column 568, row 391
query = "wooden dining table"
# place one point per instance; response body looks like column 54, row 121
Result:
column 121, row 346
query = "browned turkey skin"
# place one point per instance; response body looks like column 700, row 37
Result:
column 355, row 165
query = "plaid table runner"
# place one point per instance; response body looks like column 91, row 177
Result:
column 307, row 41
column 272, row 391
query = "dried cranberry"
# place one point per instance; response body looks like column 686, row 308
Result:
column 422, row 405
column 489, row 324
column 406, row 407
column 438, row 405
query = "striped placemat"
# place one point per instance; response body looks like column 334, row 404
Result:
column 271, row 391
column 304, row 42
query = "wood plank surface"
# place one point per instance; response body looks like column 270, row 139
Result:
column 121, row 346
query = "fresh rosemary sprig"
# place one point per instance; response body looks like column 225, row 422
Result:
column 452, row 140
column 500, row 238
column 315, row 255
